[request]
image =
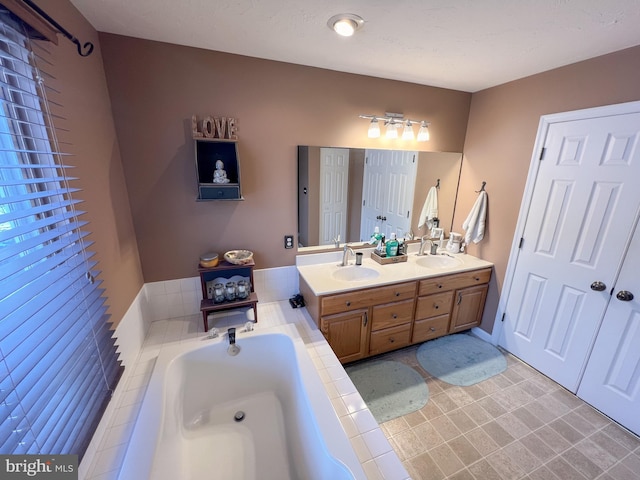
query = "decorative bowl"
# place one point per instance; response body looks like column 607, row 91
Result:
column 238, row 257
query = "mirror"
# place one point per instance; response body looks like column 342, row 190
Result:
column 349, row 191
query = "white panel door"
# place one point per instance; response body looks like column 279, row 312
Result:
column 584, row 203
column 334, row 179
column 611, row 381
column 401, row 178
column 373, row 192
column 388, row 186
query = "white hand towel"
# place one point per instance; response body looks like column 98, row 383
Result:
column 475, row 222
column 430, row 207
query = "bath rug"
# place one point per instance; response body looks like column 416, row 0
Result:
column 390, row 389
column 461, row 359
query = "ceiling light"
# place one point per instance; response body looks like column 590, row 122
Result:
column 345, row 24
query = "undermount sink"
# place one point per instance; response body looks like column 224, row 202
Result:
column 438, row 261
column 354, row 273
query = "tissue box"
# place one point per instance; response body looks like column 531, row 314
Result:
column 384, row 260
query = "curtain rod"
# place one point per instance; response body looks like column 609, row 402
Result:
column 88, row 45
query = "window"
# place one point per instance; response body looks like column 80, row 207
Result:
column 58, row 364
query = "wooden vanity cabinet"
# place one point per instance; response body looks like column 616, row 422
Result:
column 348, row 334
column 370, row 321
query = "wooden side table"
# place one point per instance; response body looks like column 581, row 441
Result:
column 225, row 269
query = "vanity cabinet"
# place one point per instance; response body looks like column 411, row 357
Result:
column 370, row 321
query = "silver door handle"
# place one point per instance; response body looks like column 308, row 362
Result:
column 598, row 286
column 624, row 295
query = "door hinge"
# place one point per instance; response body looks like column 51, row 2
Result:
column 414, row 159
column 521, row 242
column 364, row 202
column 407, row 213
column 366, row 160
column 544, row 150
column 503, row 315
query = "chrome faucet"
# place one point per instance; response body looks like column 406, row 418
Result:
column 345, row 255
column 233, row 349
column 423, row 243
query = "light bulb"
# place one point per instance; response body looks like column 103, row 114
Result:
column 392, row 131
column 407, row 132
column 423, row 133
column 374, row 128
column 345, row 27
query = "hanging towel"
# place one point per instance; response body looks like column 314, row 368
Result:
column 430, row 207
column 475, row 222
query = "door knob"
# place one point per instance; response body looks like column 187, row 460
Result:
column 598, row 286
column 624, row 295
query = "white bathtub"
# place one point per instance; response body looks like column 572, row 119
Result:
column 186, row 428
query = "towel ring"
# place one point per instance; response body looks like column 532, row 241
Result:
column 481, row 188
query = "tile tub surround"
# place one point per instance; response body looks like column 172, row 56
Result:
column 374, row 451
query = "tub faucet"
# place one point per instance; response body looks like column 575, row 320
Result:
column 345, row 255
column 423, row 243
column 233, row 349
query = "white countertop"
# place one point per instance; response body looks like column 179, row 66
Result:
column 319, row 270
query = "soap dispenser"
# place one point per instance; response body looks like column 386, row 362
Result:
column 392, row 246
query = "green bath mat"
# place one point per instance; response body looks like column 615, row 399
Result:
column 390, row 389
column 461, row 359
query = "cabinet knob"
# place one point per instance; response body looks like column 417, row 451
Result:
column 348, row 304
column 391, row 340
column 439, row 285
column 394, row 316
column 397, row 294
column 436, row 306
column 433, row 329
column 477, row 279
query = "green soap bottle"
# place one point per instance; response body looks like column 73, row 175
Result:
column 392, row 246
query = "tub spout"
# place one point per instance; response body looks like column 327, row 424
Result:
column 232, row 335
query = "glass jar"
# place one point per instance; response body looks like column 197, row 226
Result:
column 244, row 289
column 230, row 291
column 218, row 293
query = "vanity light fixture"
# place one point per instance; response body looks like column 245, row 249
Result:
column 394, row 121
column 345, row 24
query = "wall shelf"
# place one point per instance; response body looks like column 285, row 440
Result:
column 207, row 153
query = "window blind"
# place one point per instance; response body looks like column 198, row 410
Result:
column 58, row 362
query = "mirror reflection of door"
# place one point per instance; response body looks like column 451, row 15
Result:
column 388, row 187
column 334, row 178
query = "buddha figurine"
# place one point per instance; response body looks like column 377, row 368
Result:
column 220, row 175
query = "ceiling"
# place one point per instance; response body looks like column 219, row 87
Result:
column 466, row 45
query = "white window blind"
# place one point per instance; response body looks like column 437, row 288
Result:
column 58, row 363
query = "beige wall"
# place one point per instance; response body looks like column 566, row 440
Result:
column 91, row 138
column 503, row 124
column 156, row 87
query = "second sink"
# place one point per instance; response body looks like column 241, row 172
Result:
column 354, row 273
column 437, row 261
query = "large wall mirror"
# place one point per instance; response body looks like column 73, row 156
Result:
column 350, row 191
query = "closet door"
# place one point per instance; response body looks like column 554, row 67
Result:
column 583, row 206
column 334, row 179
column 611, row 381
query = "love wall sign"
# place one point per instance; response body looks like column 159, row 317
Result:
column 214, row 127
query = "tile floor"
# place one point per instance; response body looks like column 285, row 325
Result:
column 516, row 425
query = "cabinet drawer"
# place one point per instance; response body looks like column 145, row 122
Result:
column 424, row 330
column 432, row 305
column 344, row 302
column 455, row 281
column 389, row 339
column 219, row 192
column 391, row 315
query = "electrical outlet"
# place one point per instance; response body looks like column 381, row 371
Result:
column 288, row 241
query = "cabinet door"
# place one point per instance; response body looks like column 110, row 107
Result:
column 348, row 334
column 467, row 308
